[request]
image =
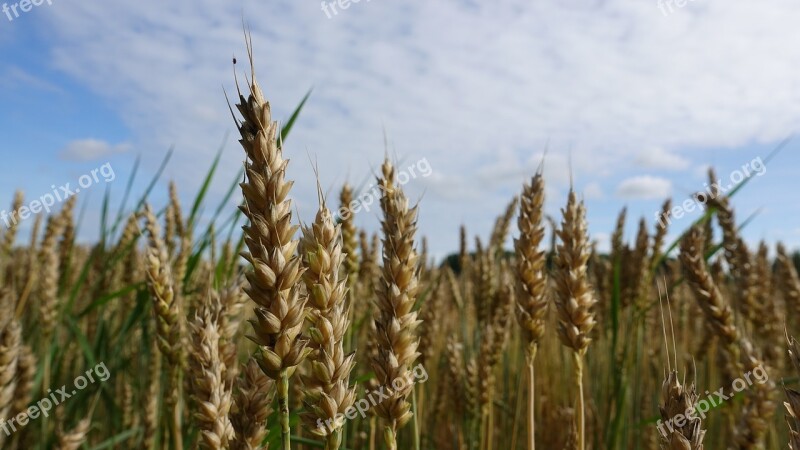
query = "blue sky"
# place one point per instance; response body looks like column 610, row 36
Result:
column 633, row 102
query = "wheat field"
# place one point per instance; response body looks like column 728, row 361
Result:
column 303, row 333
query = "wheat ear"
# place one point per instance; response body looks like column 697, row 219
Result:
column 49, row 307
column 349, row 236
column 677, row 398
column 252, row 407
column 574, row 297
column 793, row 396
column 752, row 427
column 72, row 439
column 395, row 322
column 532, row 287
column 275, row 279
column 211, row 395
column 168, row 317
column 10, row 348
column 11, row 233
column 328, row 393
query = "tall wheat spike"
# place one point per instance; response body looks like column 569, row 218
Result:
column 211, row 394
column 328, row 393
column 759, row 407
column 10, row 349
column 532, row 296
column 168, row 317
column 270, row 237
column 574, row 297
column 252, row 406
column 395, row 322
column 349, row 237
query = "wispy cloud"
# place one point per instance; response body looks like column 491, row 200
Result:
column 91, row 149
column 14, row 77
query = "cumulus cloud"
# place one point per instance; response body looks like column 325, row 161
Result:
column 91, row 149
column 644, row 187
column 659, row 158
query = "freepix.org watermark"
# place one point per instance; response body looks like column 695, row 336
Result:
column 360, row 408
column 667, row 7
column 14, row 10
column 372, row 194
column 58, row 195
column 756, row 167
column 330, row 7
column 712, row 400
column 99, row 373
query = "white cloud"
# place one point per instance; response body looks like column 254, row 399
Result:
column 15, row 78
column 603, row 241
column 658, row 158
column 91, row 149
column 593, row 191
column 644, row 187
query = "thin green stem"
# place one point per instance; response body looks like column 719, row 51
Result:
column 531, row 403
column 334, row 440
column 579, row 409
column 177, row 414
column 417, row 407
column 389, row 436
column 283, row 404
